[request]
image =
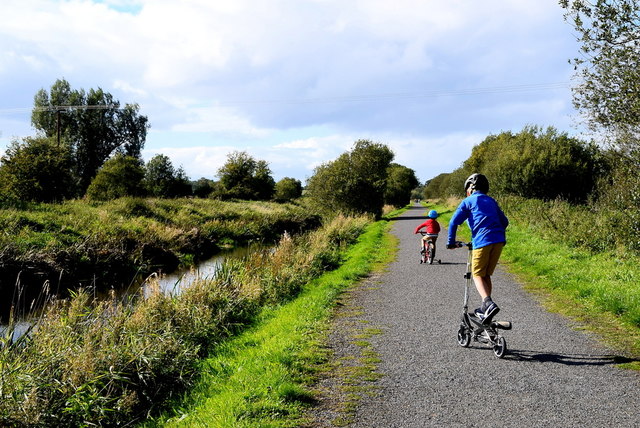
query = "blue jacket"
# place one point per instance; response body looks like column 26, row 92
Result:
column 485, row 218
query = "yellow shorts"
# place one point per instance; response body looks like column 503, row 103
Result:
column 485, row 259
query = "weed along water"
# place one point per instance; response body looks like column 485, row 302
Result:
column 171, row 284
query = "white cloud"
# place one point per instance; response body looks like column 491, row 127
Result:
column 219, row 120
column 197, row 161
column 239, row 72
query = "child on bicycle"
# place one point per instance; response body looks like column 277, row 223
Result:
column 432, row 229
column 488, row 224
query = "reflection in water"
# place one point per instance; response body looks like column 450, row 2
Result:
column 175, row 282
column 171, row 284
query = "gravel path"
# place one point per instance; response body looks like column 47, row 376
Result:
column 552, row 375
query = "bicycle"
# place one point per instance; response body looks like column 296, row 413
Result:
column 473, row 328
column 428, row 250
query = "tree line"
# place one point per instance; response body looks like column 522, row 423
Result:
column 598, row 176
column 87, row 145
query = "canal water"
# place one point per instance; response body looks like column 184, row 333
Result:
column 172, row 284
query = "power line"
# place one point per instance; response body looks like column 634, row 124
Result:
column 62, row 108
column 533, row 87
column 408, row 95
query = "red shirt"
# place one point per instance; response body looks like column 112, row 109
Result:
column 431, row 225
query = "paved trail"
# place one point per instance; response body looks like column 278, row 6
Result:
column 552, row 376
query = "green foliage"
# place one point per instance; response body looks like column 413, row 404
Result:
column 264, row 376
column 400, row 183
column 532, row 163
column 105, row 244
column 608, row 92
column 243, row 177
column 618, row 197
column 608, row 95
column 537, row 164
column 119, row 176
column 287, row 189
column 353, row 183
column 162, row 180
column 446, row 185
column 202, row 187
column 93, row 123
column 37, row 169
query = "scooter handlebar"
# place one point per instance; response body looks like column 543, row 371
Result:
column 457, row 244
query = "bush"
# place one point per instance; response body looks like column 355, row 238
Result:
column 354, row 183
column 120, row 176
column 38, row 170
column 538, row 164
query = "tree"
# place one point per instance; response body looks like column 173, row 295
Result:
column 355, row 182
column 37, row 169
column 446, row 184
column 609, row 95
column 287, row 189
column 609, row 68
column 159, row 176
column 400, row 183
column 243, row 177
column 162, row 180
column 93, row 123
column 536, row 163
column 203, row 187
column 119, row 176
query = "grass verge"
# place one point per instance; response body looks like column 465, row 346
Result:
column 595, row 290
column 264, row 376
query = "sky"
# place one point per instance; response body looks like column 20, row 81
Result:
column 297, row 82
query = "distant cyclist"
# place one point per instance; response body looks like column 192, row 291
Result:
column 488, row 224
column 432, row 229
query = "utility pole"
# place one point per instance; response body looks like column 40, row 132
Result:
column 58, row 124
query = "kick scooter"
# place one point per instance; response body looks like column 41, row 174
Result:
column 472, row 327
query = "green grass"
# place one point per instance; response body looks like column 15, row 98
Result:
column 598, row 290
column 264, row 376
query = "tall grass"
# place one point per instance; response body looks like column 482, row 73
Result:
column 112, row 363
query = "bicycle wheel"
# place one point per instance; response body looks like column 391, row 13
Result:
column 464, row 337
column 500, row 347
column 431, row 252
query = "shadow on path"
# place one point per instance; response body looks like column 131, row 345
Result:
column 566, row 359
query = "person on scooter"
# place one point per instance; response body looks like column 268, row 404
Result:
column 488, row 232
column 432, row 228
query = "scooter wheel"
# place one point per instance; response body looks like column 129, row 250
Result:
column 500, row 347
column 464, row 337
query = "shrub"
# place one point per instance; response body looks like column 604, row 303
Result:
column 119, row 176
